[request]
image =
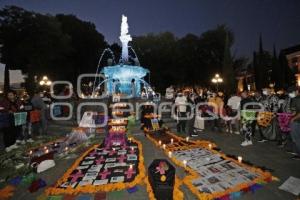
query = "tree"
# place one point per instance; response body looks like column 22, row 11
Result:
column 33, row 43
column 86, row 42
column 262, row 67
column 61, row 46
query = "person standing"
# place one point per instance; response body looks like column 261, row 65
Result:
column 133, row 88
column 295, row 122
column 268, row 123
column 258, row 98
column 217, row 102
column 234, row 103
column 4, row 120
column 114, row 84
column 118, row 86
column 181, row 109
column 12, row 134
column 39, row 104
column 248, row 115
column 27, row 128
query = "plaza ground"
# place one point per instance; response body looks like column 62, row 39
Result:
column 266, row 154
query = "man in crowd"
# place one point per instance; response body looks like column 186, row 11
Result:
column 246, row 106
column 27, row 128
column 39, row 104
column 295, row 122
column 258, row 98
column 234, row 103
column 181, row 110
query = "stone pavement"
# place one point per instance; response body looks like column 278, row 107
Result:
column 266, row 154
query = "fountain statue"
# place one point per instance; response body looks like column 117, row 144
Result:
column 127, row 70
column 124, row 38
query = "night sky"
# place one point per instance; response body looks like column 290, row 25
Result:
column 277, row 20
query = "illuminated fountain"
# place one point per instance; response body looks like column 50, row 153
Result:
column 124, row 72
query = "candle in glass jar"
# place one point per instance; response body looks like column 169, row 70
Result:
column 210, row 146
column 172, row 141
column 240, row 159
column 164, row 146
column 187, row 139
column 130, row 167
column 159, row 142
column 170, row 154
column 184, row 163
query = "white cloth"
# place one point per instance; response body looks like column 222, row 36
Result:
column 234, row 102
column 199, row 123
column 87, row 120
column 181, row 103
column 44, row 165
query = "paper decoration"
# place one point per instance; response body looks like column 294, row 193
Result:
column 20, row 118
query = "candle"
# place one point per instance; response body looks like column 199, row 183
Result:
column 170, row 154
column 210, row 146
column 66, row 148
column 47, row 151
column 55, row 144
column 30, row 152
column 159, row 142
column 130, row 166
column 184, row 163
column 240, row 159
column 130, row 140
column 132, row 148
column 172, row 140
column 164, row 146
column 45, row 147
column 187, row 139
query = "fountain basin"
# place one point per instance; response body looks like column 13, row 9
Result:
column 125, row 74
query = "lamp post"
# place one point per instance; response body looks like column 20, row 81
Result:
column 216, row 80
column 45, row 82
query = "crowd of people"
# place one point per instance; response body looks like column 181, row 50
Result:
column 273, row 116
column 22, row 118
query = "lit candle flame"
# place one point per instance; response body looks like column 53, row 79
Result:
column 240, row 159
column 184, row 163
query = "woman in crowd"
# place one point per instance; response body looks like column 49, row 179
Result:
column 12, row 134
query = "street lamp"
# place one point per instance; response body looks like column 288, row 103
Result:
column 45, row 81
column 216, row 80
